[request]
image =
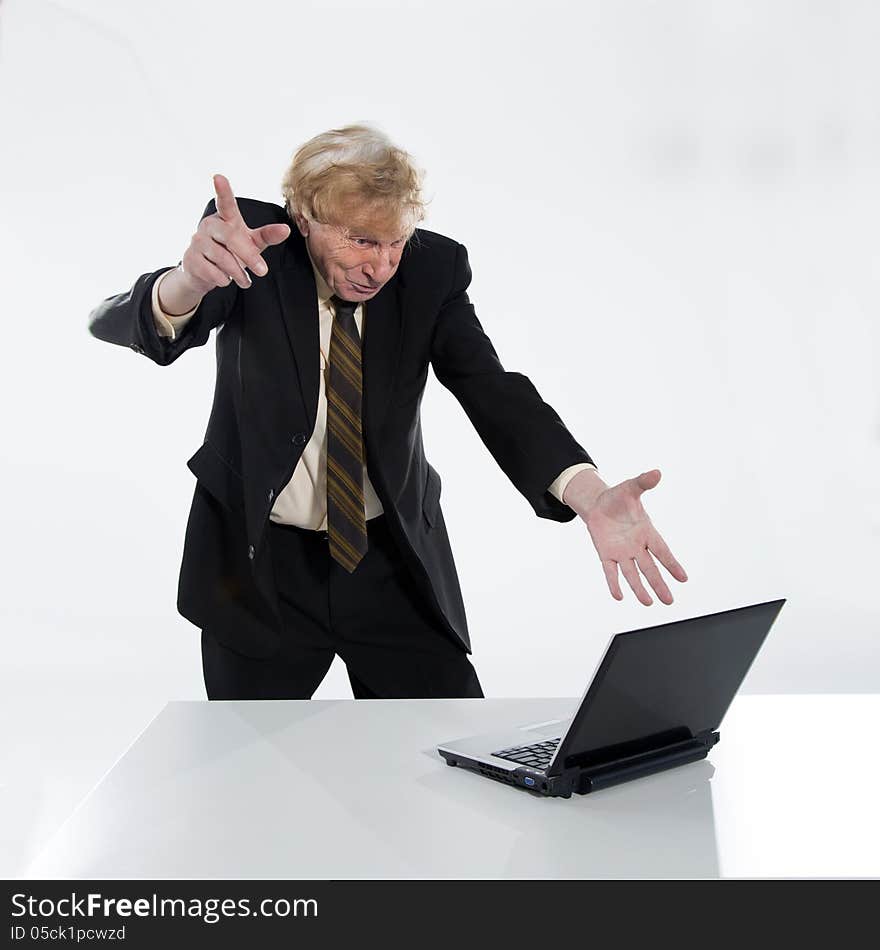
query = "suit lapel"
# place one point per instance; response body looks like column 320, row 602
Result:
column 382, row 334
column 299, row 307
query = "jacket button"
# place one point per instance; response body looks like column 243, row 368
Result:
column 271, row 493
column 300, row 438
column 251, row 552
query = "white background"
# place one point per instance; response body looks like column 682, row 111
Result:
column 670, row 211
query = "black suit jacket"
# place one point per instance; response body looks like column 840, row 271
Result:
column 264, row 408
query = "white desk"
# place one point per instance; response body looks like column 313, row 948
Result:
column 355, row 790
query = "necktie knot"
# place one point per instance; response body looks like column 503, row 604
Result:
column 343, row 307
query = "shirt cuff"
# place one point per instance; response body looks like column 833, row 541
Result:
column 560, row 483
column 166, row 324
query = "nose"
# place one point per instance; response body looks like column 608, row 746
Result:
column 382, row 268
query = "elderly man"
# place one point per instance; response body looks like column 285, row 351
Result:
column 315, row 527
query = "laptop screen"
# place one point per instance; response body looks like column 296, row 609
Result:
column 665, row 684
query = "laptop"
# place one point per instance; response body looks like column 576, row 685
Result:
column 655, row 701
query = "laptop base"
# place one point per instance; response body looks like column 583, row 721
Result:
column 583, row 780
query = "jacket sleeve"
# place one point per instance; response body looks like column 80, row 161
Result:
column 525, row 435
column 127, row 319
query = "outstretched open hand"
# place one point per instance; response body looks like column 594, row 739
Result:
column 624, row 536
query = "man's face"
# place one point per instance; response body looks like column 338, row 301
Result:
column 355, row 267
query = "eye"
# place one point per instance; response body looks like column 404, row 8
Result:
column 362, row 242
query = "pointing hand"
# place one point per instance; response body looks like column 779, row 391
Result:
column 224, row 245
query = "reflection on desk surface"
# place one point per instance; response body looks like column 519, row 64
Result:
column 659, row 826
column 355, row 789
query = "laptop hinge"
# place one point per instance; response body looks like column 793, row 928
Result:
column 591, row 778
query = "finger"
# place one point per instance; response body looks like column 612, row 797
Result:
column 258, row 239
column 227, row 262
column 242, row 246
column 658, row 547
column 228, row 247
column 227, row 206
column 269, row 234
column 610, row 568
column 632, row 576
column 646, row 481
column 238, row 240
column 204, row 270
column 649, row 569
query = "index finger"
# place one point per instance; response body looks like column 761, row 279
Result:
column 227, row 206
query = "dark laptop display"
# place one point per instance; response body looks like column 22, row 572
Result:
column 655, row 701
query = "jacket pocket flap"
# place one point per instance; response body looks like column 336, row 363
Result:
column 217, row 476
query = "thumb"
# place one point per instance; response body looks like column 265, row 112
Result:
column 647, row 480
column 270, row 234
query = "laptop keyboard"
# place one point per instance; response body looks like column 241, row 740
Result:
column 535, row 756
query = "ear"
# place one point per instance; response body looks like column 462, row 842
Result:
column 301, row 223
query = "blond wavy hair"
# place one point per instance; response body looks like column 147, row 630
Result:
column 355, row 177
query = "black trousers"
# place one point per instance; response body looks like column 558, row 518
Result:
column 375, row 619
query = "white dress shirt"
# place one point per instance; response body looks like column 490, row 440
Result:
column 303, row 500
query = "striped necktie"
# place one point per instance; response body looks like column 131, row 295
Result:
column 346, row 519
